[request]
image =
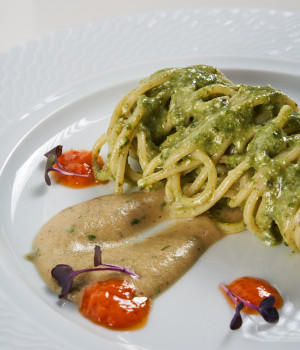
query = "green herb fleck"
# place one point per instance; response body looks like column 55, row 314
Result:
column 32, row 255
column 163, row 204
column 157, row 290
column 91, row 237
column 71, row 229
column 165, row 247
column 135, row 221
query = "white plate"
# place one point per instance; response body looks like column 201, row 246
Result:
column 61, row 88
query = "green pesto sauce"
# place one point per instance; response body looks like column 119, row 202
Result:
column 175, row 117
column 283, row 199
column 173, row 112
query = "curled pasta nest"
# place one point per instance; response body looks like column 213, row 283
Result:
column 207, row 140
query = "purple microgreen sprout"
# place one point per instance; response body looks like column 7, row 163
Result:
column 52, row 158
column 64, row 274
column 266, row 308
column 237, row 320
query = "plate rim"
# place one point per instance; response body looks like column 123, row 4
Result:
column 90, row 24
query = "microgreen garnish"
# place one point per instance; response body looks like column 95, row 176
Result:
column 64, row 274
column 52, row 156
column 266, row 308
column 237, row 320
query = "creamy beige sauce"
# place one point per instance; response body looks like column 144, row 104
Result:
column 123, row 225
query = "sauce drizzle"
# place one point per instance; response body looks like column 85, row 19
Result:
column 254, row 290
column 78, row 162
column 113, row 304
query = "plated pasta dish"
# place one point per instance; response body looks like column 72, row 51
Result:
column 205, row 158
column 206, row 141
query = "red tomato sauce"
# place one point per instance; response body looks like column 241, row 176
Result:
column 78, row 162
column 113, row 304
column 254, row 290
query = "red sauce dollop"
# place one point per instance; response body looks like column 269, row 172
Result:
column 78, row 162
column 113, row 304
column 254, row 290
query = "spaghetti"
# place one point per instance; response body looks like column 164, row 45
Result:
column 209, row 141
